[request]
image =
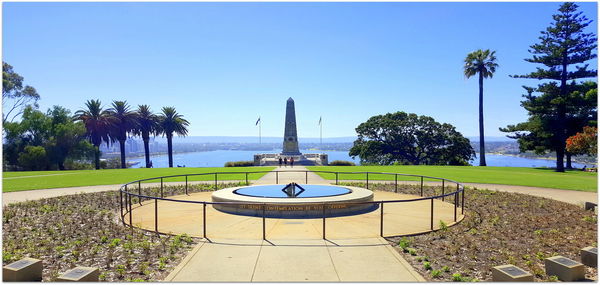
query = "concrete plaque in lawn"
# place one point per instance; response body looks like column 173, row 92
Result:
column 80, row 274
column 565, row 269
column 26, row 269
column 589, row 256
column 510, row 273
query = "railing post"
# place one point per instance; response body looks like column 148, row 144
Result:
column 247, row 179
column 336, row 178
column 204, row 219
column 432, row 214
column 264, row 222
column 324, row 221
column 121, row 204
column 443, row 189
column 367, row 180
column 395, row 183
column 276, row 177
column 455, row 202
column 130, row 212
column 186, row 185
column 421, row 186
column 381, row 221
column 161, row 188
column 156, row 215
column 215, row 181
column 306, row 180
column 140, row 192
column 462, row 209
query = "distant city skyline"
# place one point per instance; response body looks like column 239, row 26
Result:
column 224, row 65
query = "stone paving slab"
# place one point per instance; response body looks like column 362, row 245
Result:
column 294, row 260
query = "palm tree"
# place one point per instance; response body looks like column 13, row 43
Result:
column 124, row 122
column 98, row 124
column 147, row 123
column 172, row 122
column 482, row 62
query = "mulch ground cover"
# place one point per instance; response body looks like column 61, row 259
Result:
column 499, row 228
column 84, row 230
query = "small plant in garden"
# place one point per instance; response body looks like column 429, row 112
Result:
column 457, row 277
column 120, row 269
column 538, row 232
column 427, row 265
column 412, row 251
column 443, row 226
column 445, row 268
column 590, row 219
column 404, row 244
column 436, row 273
column 553, row 278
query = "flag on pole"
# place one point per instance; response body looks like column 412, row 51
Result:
column 258, row 121
column 320, row 118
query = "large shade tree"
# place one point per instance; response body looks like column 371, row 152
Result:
column 563, row 50
column 15, row 96
column 410, row 139
column 171, row 123
column 481, row 63
column 124, row 121
column 147, row 124
column 98, row 124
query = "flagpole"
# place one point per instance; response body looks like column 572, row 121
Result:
column 259, row 127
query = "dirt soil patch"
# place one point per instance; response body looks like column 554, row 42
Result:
column 499, row 228
column 84, row 230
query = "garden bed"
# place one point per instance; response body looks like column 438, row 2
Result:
column 84, row 230
column 499, row 228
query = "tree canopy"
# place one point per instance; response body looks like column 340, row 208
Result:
column 560, row 106
column 410, row 139
column 15, row 96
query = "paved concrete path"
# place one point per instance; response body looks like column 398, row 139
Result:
column 312, row 260
column 569, row 196
column 22, row 196
column 291, row 174
column 288, row 259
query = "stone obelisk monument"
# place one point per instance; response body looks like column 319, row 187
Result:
column 290, row 135
column 290, row 145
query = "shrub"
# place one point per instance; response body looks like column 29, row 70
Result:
column 342, row 163
column 436, row 273
column 427, row 265
column 239, row 163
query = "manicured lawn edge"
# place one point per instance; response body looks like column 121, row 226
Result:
column 521, row 176
column 33, row 180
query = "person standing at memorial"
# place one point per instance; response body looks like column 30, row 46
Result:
column 280, row 161
column 285, row 162
column 292, row 162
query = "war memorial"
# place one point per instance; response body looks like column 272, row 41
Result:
column 291, row 149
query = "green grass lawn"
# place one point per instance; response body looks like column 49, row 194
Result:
column 537, row 177
column 30, row 180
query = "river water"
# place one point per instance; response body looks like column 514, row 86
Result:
column 218, row 158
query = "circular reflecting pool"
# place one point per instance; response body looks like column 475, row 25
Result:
column 304, row 191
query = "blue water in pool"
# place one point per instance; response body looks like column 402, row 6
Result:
column 276, row 191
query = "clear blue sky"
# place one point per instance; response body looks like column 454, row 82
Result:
column 224, row 64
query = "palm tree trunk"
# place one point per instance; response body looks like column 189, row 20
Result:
column 122, row 147
column 147, row 149
column 481, row 135
column 97, row 156
column 170, row 148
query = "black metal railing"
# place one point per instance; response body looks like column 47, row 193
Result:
column 126, row 194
